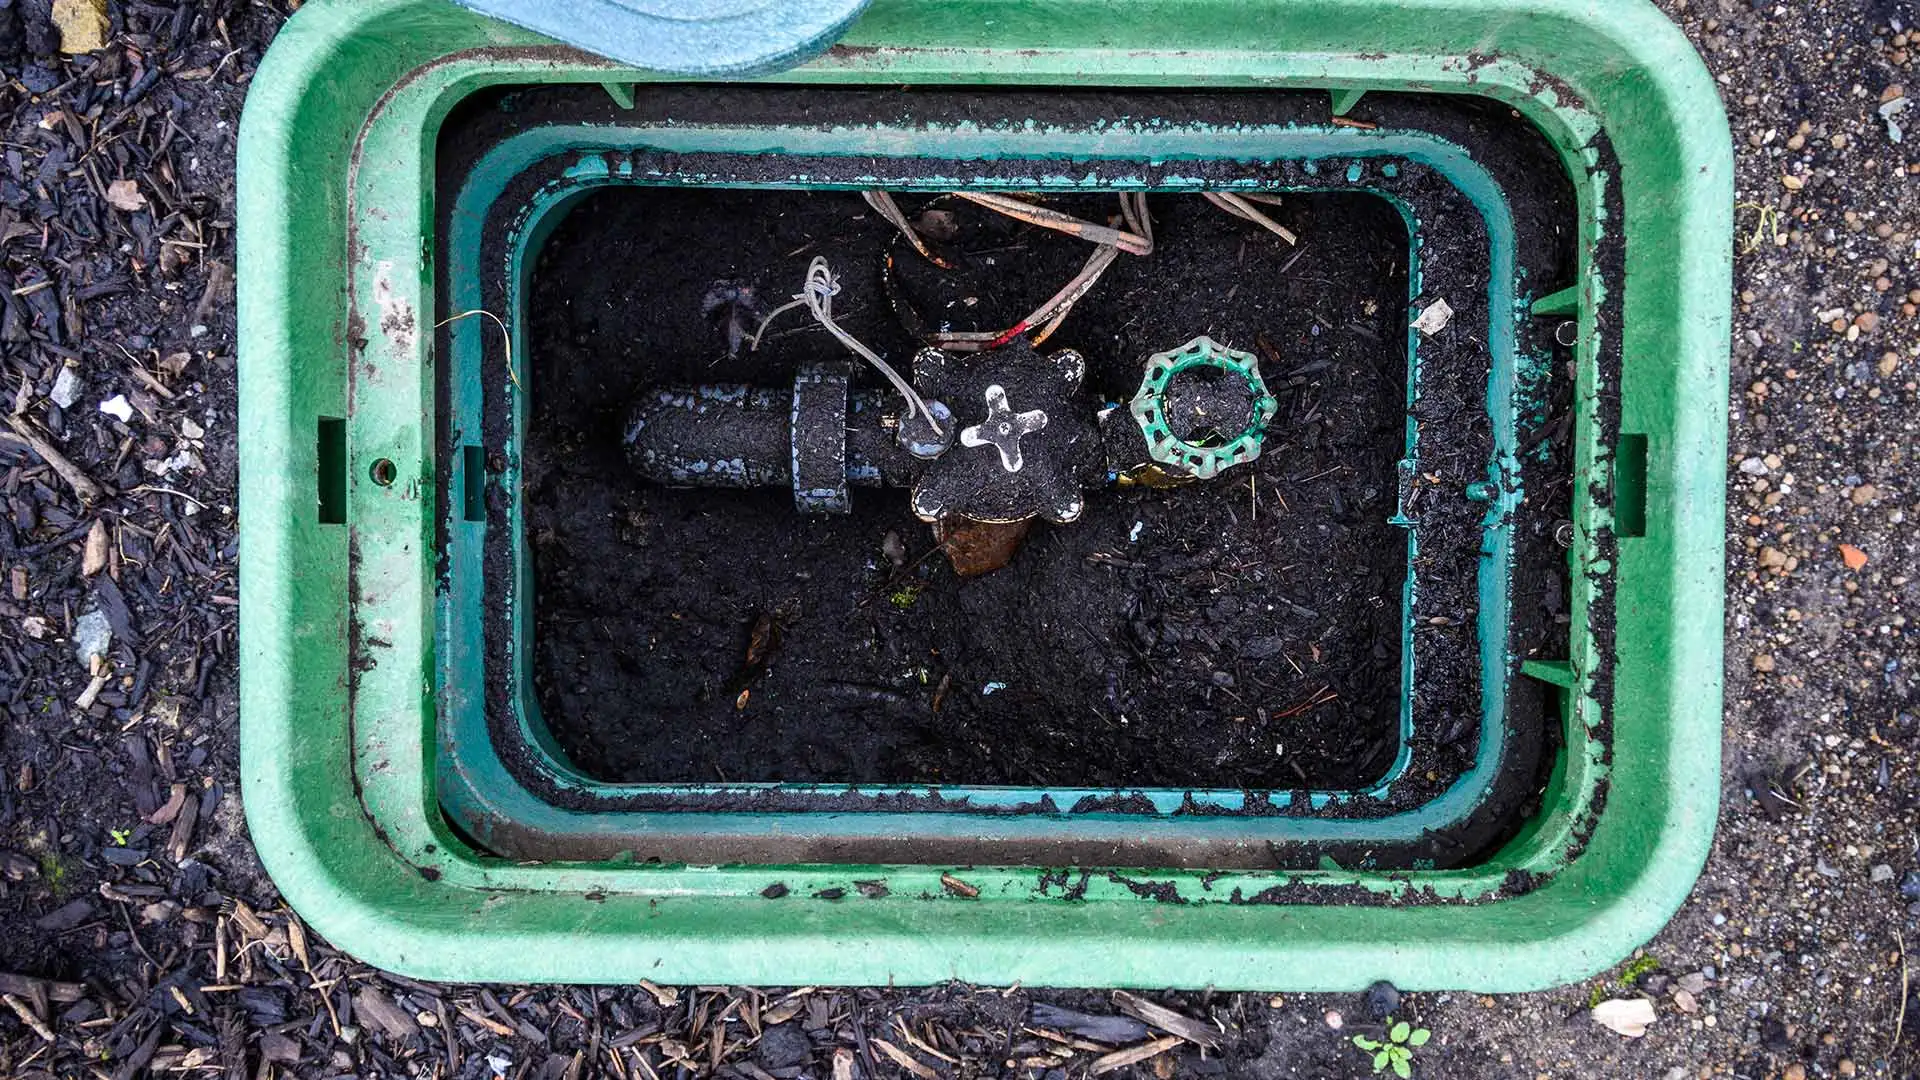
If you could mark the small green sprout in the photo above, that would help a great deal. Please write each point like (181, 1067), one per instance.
(904, 598)
(120, 836)
(1397, 1052)
(1634, 969)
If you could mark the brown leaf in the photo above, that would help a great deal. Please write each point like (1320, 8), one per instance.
(903, 1059)
(94, 559)
(297, 940)
(176, 799)
(125, 195)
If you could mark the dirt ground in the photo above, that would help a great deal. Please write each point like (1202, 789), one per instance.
(138, 935)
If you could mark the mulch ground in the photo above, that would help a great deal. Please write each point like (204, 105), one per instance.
(139, 937)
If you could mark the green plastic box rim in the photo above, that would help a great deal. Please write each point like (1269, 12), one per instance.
(338, 712)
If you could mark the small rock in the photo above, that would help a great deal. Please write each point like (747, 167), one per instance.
(1693, 982)
(1881, 873)
(1772, 558)
(1847, 1067)
(1910, 885)
(83, 25)
(783, 1046)
(1853, 557)
(92, 636)
(1335, 1020)
(66, 387)
(93, 557)
(118, 408)
(1864, 494)
(1795, 1071)
(1753, 466)
(1435, 318)
(1685, 1002)
(1763, 662)
(1383, 1000)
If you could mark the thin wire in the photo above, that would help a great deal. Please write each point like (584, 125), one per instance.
(816, 295)
(506, 337)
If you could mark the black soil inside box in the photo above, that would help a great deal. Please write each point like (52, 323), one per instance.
(1243, 632)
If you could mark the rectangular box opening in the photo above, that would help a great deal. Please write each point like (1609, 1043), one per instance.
(1630, 487)
(331, 454)
(1243, 632)
(473, 483)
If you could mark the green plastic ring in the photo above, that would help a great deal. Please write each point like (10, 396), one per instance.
(1149, 408)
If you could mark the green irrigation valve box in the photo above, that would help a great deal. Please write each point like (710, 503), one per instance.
(1558, 182)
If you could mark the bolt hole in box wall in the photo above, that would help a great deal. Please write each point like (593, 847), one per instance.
(1329, 628)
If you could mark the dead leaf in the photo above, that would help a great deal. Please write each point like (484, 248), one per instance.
(1625, 1016)
(1853, 556)
(125, 195)
(176, 798)
(297, 939)
(94, 559)
(903, 1059)
(83, 25)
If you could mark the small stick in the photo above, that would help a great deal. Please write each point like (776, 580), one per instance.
(1900, 1019)
(79, 481)
(1059, 222)
(25, 1012)
(884, 205)
(1241, 208)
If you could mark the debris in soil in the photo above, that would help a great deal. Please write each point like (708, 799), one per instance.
(977, 547)
(1434, 318)
(1113, 1030)
(92, 636)
(83, 25)
(1166, 1019)
(1383, 1000)
(1625, 1016)
(125, 195)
